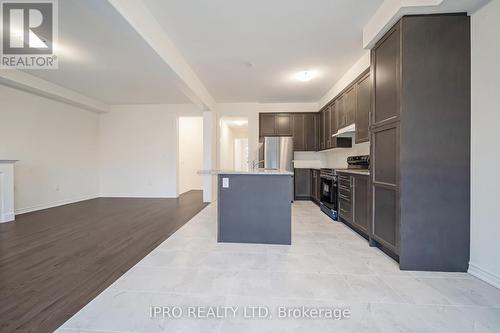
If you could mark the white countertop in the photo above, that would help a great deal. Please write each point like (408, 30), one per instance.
(261, 172)
(355, 171)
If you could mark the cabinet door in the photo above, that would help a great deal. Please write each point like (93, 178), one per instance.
(345, 198)
(350, 106)
(267, 124)
(318, 187)
(314, 190)
(333, 124)
(363, 104)
(311, 131)
(341, 121)
(322, 130)
(298, 132)
(283, 124)
(316, 122)
(333, 121)
(302, 181)
(385, 185)
(360, 201)
(327, 134)
(385, 57)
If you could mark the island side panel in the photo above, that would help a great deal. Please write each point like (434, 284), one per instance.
(255, 209)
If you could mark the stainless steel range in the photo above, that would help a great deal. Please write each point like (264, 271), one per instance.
(328, 192)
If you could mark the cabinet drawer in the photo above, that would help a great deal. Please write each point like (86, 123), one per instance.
(345, 210)
(345, 197)
(344, 188)
(345, 181)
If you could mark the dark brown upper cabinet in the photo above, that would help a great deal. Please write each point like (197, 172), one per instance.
(333, 118)
(420, 142)
(311, 126)
(299, 132)
(283, 124)
(328, 133)
(340, 108)
(303, 127)
(267, 124)
(322, 135)
(350, 106)
(386, 77)
(275, 124)
(363, 105)
(345, 108)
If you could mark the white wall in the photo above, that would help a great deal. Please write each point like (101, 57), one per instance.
(209, 155)
(485, 183)
(226, 145)
(337, 158)
(138, 149)
(190, 153)
(57, 145)
(357, 68)
(241, 154)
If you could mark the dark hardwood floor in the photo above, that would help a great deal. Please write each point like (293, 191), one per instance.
(54, 261)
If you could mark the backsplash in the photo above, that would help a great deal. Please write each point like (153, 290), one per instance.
(334, 158)
(337, 158)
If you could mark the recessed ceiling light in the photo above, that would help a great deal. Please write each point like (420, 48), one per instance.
(305, 76)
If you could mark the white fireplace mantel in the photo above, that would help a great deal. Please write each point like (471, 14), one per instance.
(7, 190)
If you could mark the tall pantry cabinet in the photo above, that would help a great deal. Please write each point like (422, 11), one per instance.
(420, 142)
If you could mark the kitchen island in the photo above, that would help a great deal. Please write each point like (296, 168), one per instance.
(254, 206)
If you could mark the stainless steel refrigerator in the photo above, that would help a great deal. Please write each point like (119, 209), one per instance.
(278, 153)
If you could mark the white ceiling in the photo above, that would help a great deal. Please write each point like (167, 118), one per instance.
(279, 37)
(242, 51)
(104, 58)
(236, 124)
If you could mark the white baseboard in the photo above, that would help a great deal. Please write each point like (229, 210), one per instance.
(138, 195)
(484, 275)
(54, 204)
(7, 217)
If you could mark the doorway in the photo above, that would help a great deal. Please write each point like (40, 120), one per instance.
(190, 152)
(233, 143)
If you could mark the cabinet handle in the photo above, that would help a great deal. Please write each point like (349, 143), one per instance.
(344, 198)
(354, 200)
(345, 188)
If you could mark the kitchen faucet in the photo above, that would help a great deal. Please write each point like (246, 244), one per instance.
(256, 163)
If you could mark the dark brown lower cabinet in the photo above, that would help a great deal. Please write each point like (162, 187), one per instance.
(345, 197)
(302, 184)
(361, 201)
(315, 186)
(354, 203)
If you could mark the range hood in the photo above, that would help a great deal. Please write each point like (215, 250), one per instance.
(345, 131)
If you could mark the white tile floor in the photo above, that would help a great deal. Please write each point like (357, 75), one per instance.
(328, 266)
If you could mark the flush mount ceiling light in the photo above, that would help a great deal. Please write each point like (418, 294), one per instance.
(305, 76)
(240, 122)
